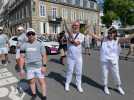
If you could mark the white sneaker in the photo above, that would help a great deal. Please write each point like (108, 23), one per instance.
(121, 91)
(67, 87)
(106, 90)
(80, 89)
(5, 64)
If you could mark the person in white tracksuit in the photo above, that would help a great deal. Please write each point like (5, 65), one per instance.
(109, 56)
(74, 56)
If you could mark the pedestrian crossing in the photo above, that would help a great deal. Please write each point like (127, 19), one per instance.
(6, 77)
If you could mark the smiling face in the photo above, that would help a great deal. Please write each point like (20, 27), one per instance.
(31, 36)
(76, 27)
(112, 33)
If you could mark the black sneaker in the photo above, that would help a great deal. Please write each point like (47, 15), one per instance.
(44, 98)
(20, 90)
(33, 97)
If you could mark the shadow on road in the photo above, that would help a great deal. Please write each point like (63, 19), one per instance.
(129, 59)
(58, 77)
(91, 82)
(23, 86)
(55, 61)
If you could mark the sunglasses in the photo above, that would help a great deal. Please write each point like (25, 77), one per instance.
(18, 30)
(30, 33)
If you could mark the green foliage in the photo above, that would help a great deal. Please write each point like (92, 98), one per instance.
(109, 16)
(119, 9)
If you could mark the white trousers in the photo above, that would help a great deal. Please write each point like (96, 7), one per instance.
(77, 65)
(112, 66)
(17, 53)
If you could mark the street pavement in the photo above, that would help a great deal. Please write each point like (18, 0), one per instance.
(56, 79)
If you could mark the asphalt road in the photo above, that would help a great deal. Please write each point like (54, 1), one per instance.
(56, 79)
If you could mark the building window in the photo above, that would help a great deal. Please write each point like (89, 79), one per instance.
(91, 4)
(54, 12)
(64, 1)
(74, 2)
(33, 8)
(53, 0)
(42, 8)
(22, 12)
(64, 13)
(73, 15)
(69, 1)
(27, 11)
(82, 15)
(81, 3)
(42, 27)
(54, 28)
(85, 3)
(77, 2)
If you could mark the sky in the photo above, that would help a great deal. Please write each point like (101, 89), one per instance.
(100, 2)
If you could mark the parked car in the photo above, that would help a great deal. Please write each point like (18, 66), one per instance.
(51, 46)
(12, 44)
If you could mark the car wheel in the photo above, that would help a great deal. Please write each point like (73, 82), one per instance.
(12, 50)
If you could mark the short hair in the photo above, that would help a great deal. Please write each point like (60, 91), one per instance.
(112, 30)
(76, 22)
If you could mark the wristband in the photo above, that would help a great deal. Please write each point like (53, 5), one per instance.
(44, 65)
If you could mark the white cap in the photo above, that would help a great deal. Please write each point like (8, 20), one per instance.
(30, 30)
(20, 28)
(1, 28)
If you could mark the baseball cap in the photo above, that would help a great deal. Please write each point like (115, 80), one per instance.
(1, 28)
(30, 30)
(20, 28)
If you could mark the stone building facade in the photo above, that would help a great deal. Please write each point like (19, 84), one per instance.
(45, 16)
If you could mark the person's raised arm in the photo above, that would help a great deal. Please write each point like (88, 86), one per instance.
(88, 30)
(66, 27)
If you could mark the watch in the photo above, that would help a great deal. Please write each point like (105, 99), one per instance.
(44, 65)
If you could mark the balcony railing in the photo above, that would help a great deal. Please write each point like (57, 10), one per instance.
(54, 19)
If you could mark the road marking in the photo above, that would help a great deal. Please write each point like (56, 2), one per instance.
(14, 94)
(4, 92)
(4, 75)
(3, 70)
(8, 81)
(7, 78)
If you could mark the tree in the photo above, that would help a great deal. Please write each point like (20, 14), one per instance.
(118, 9)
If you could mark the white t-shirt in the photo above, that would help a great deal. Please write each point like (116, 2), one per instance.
(3, 40)
(75, 51)
(110, 50)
